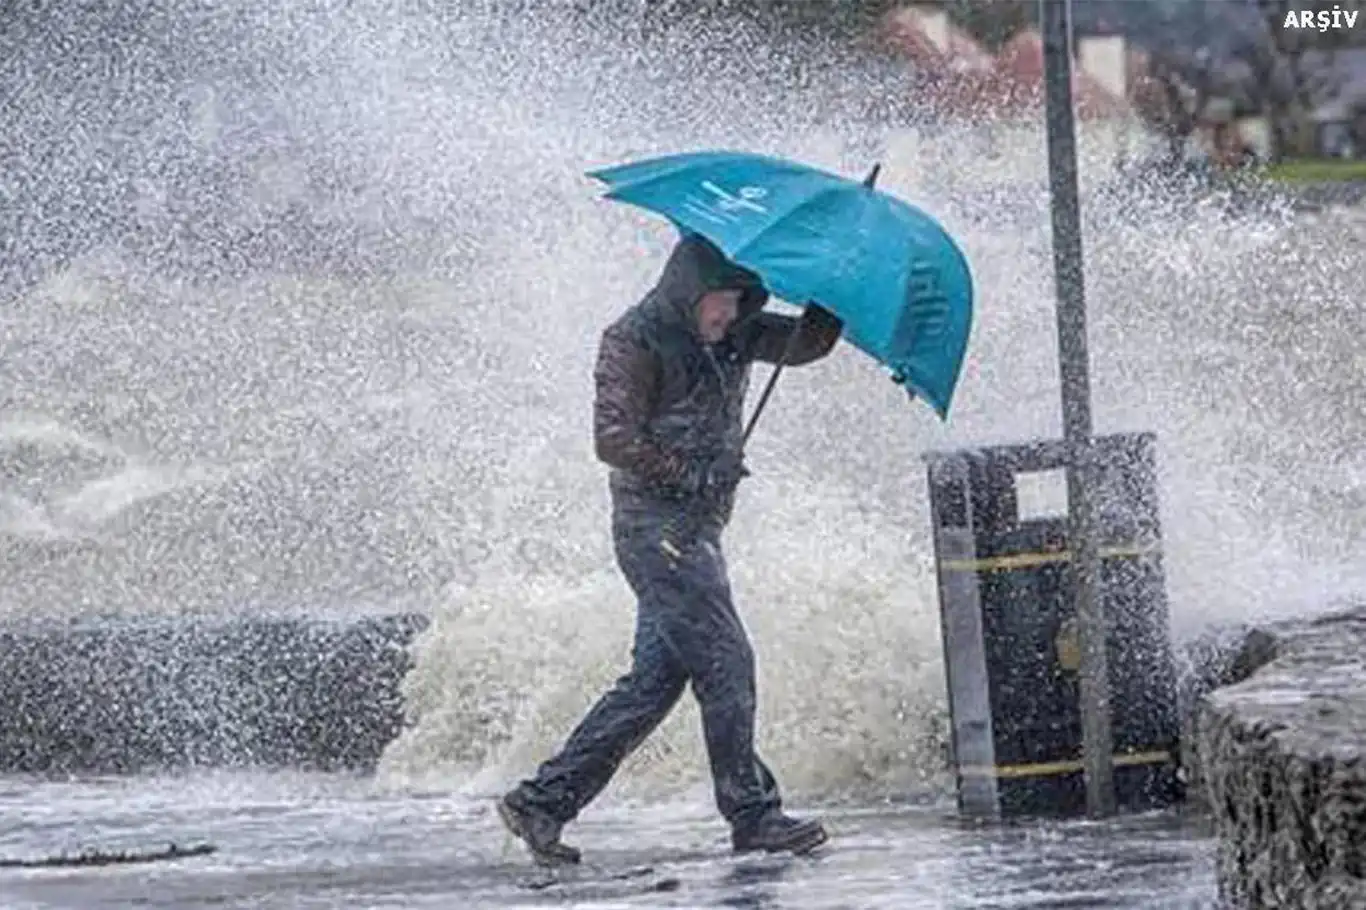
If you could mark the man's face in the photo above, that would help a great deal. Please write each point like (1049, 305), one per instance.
(716, 313)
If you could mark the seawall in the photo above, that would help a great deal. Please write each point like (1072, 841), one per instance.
(1280, 764)
(137, 695)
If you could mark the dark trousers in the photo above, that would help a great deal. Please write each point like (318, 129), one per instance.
(687, 630)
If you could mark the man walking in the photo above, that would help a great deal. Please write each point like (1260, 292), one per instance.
(670, 379)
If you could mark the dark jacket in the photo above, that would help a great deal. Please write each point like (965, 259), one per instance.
(666, 399)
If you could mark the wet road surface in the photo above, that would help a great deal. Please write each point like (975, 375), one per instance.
(318, 841)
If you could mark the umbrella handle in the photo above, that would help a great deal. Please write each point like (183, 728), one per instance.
(773, 377)
(763, 399)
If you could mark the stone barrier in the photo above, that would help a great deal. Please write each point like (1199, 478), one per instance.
(1281, 760)
(135, 695)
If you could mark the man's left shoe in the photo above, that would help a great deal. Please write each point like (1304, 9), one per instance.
(537, 830)
(779, 833)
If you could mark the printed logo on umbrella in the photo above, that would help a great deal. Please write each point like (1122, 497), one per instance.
(724, 207)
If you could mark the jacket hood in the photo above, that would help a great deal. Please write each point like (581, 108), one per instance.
(697, 266)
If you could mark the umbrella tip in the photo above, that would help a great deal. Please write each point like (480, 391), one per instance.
(872, 176)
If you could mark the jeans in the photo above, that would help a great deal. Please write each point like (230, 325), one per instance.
(687, 630)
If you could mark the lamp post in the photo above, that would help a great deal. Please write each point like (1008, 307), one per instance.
(1076, 403)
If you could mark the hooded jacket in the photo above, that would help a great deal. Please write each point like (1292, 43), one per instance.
(664, 398)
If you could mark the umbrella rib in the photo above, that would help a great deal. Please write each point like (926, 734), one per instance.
(778, 221)
(679, 167)
(680, 164)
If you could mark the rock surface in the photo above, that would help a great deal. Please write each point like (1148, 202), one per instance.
(130, 696)
(1220, 657)
(1283, 761)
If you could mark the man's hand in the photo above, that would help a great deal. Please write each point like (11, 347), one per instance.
(706, 477)
(726, 471)
(819, 320)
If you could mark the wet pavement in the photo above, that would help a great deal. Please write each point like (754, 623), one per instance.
(329, 841)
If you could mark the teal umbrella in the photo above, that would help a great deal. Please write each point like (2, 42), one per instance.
(892, 273)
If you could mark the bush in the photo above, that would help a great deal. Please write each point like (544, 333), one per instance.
(1316, 170)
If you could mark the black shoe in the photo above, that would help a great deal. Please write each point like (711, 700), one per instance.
(778, 833)
(537, 829)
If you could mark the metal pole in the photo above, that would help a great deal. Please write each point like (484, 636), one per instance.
(1076, 404)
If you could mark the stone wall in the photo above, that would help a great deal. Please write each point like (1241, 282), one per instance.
(126, 696)
(1281, 757)
(1221, 656)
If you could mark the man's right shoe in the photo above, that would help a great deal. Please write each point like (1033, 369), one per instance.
(778, 833)
(537, 829)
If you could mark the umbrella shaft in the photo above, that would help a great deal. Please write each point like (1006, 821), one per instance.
(763, 399)
(788, 348)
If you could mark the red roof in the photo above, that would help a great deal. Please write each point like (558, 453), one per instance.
(1020, 61)
(964, 79)
(952, 79)
(906, 27)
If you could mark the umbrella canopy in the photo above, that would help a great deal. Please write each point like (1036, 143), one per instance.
(887, 269)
